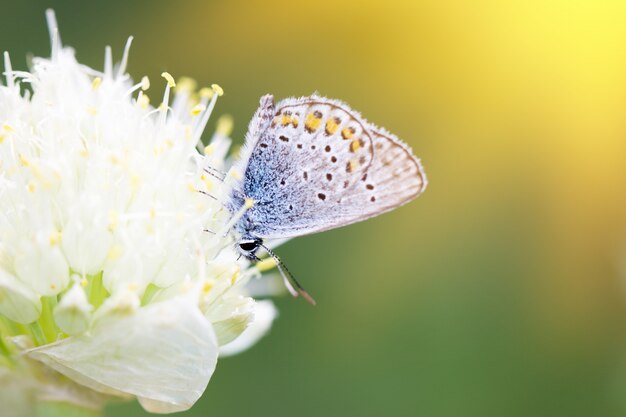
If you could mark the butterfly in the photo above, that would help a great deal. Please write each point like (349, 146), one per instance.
(312, 164)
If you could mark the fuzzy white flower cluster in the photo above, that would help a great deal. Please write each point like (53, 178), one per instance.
(107, 276)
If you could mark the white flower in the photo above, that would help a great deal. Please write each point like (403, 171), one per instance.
(106, 273)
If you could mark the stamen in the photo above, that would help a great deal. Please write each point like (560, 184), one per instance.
(108, 62)
(124, 63)
(266, 264)
(186, 84)
(143, 100)
(8, 71)
(249, 202)
(145, 82)
(166, 96)
(96, 83)
(225, 125)
(197, 109)
(217, 90)
(53, 30)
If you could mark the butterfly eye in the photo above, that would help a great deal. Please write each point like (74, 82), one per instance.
(249, 246)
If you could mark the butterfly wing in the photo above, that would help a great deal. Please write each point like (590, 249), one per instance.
(318, 165)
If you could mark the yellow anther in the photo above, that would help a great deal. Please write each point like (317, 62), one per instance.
(1, 138)
(84, 153)
(31, 187)
(145, 82)
(209, 149)
(170, 80)
(355, 145)
(206, 93)
(312, 122)
(152, 212)
(266, 264)
(197, 109)
(206, 287)
(217, 89)
(84, 282)
(114, 220)
(96, 83)
(25, 162)
(235, 276)
(55, 238)
(225, 125)
(135, 181)
(249, 202)
(191, 187)
(115, 253)
(186, 84)
(53, 286)
(235, 174)
(143, 100)
(92, 110)
(7, 127)
(36, 171)
(207, 182)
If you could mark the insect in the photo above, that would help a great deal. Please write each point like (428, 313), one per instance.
(312, 164)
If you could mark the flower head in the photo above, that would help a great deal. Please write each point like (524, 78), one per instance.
(107, 275)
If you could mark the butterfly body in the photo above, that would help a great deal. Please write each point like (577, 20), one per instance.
(313, 164)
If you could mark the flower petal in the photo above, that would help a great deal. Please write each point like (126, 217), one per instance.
(72, 314)
(43, 268)
(17, 301)
(231, 318)
(164, 353)
(264, 315)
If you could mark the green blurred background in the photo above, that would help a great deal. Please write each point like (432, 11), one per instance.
(500, 291)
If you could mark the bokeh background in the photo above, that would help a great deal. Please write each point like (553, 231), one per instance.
(500, 291)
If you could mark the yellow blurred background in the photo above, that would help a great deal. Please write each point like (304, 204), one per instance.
(500, 291)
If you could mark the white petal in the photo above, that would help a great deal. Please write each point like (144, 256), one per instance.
(72, 314)
(43, 268)
(231, 317)
(264, 315)
(16, 394)
(86, 246)
(164, 353)
(17, 301)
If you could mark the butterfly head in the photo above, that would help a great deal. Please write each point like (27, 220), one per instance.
(248, 246)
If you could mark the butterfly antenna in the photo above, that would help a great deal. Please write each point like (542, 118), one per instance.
(293, 286)
(215, 173)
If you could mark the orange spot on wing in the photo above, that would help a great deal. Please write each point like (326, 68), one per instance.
(312, 122)
(332, 125)
(348, 133)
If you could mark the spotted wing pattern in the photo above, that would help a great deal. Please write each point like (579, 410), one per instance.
(318, 165)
